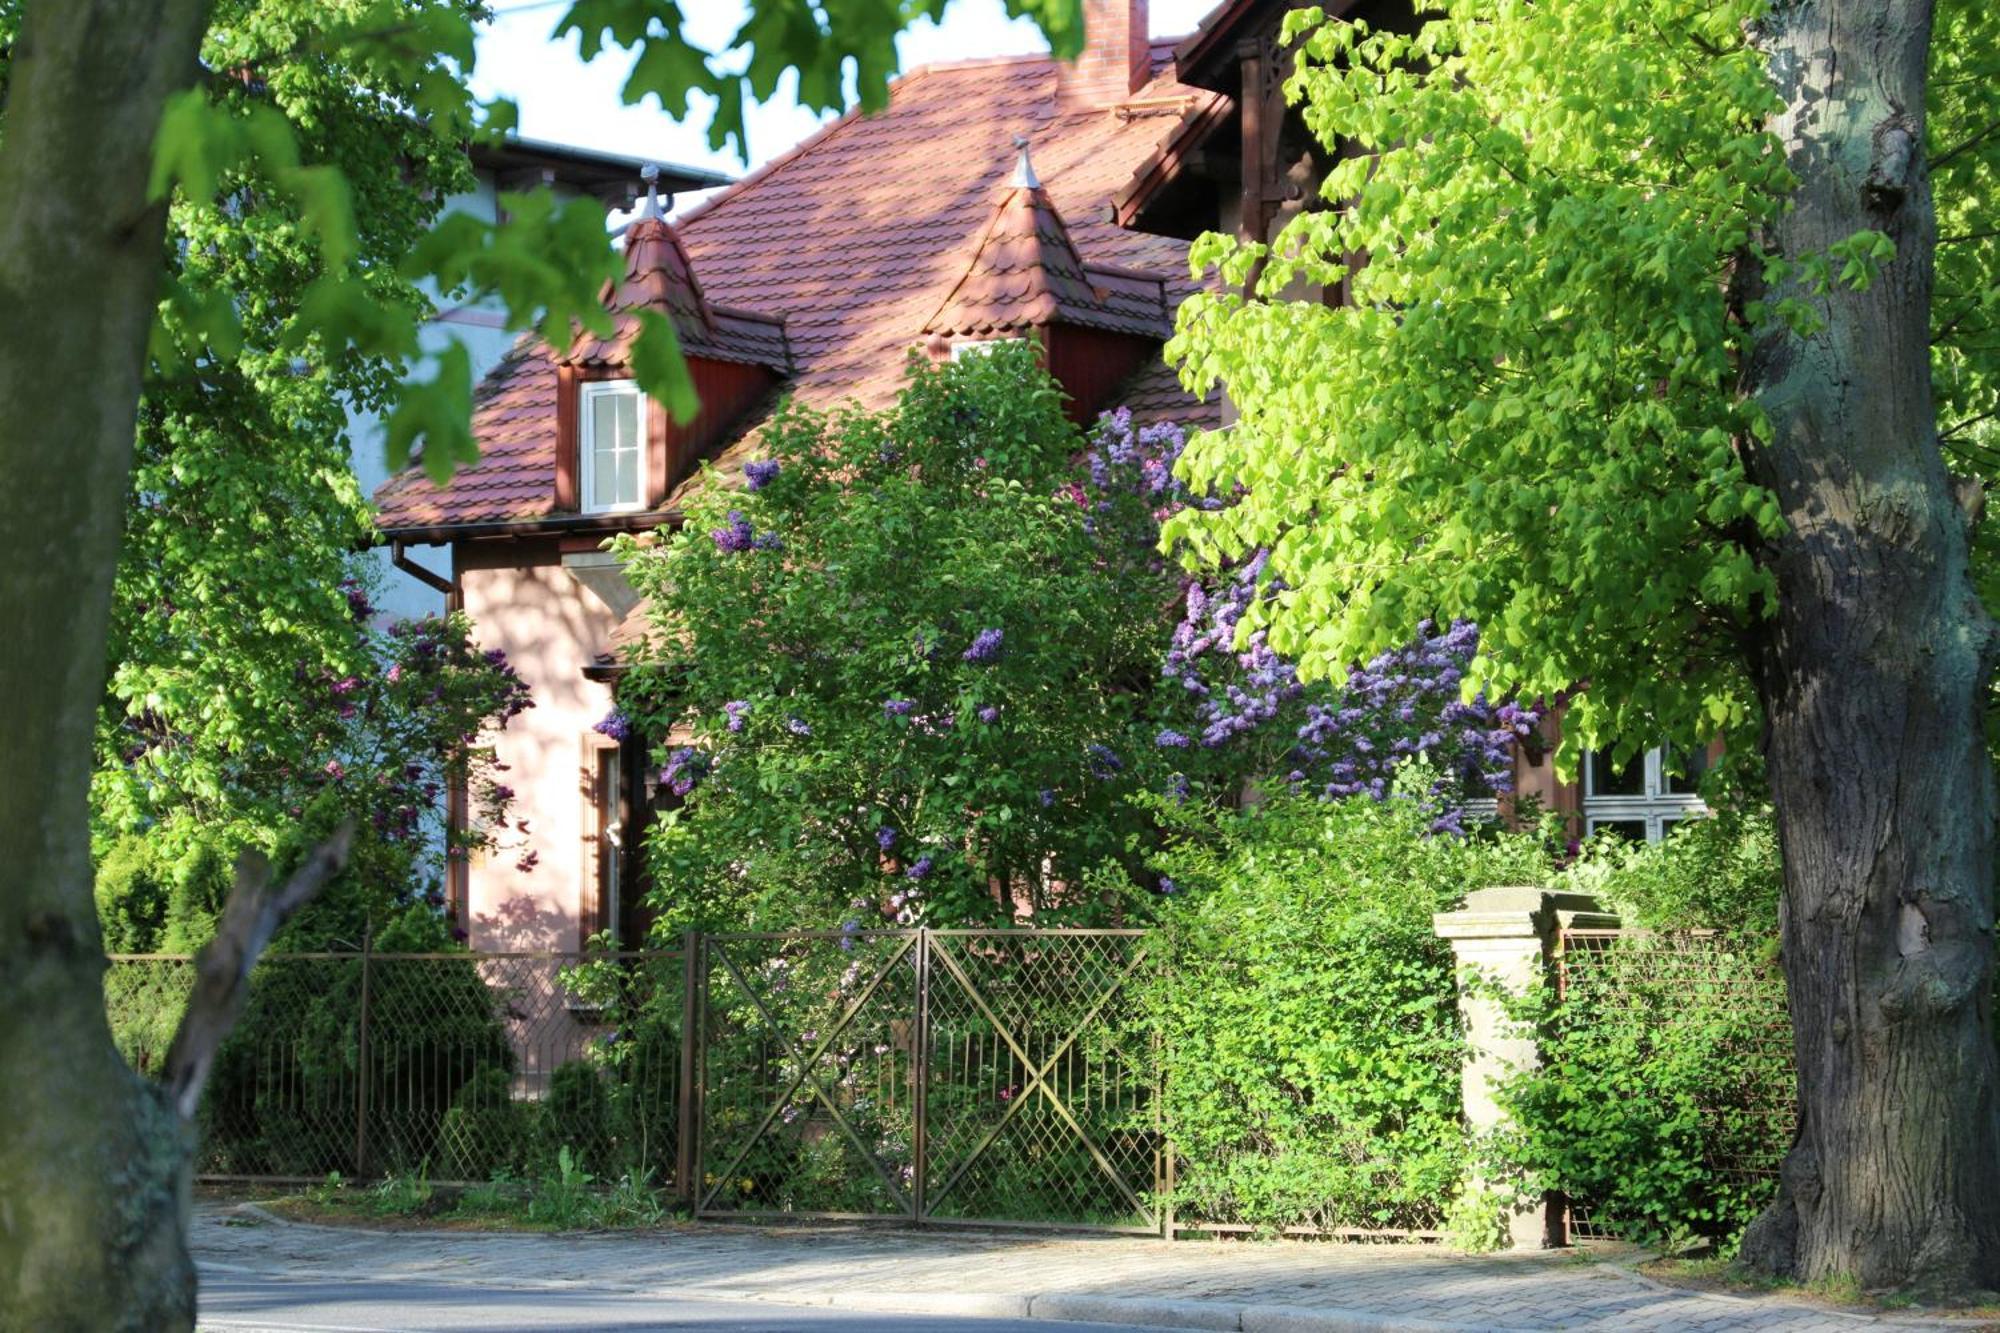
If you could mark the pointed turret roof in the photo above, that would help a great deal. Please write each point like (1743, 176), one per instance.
(660, 276)
(1026, 273)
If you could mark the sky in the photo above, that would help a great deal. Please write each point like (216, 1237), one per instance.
(565, 100)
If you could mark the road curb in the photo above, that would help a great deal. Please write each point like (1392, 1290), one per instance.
(964, 1304)
(1145, 1311)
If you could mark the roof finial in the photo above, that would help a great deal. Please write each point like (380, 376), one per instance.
(650, 173)
(1024, 170)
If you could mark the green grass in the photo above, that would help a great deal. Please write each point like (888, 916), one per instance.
(563, 1198)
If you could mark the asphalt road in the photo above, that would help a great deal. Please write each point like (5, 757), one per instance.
(236, 1303)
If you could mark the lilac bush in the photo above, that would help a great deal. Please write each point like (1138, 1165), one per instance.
(973, 661)
(1248, 708)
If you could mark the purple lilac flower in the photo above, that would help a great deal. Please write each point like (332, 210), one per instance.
(759, 473)
(885, 837)
(897, 707)
(1048, 798)
(1104, 761)
(768, 541)
(1167, 886)
(358, 604)
(686, 766)
(985, 646)
(989, 714)
(920, 868)
(735, 535)
(798, 726)
(735, 710)
(1170, 739)
(615, 725)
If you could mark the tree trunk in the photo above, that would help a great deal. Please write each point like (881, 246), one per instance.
(93, 1163)
(1873, 677)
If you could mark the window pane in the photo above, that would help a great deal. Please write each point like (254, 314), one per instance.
(1606, 779)
(628, 476)
(614, 448)
(1632, 830)
(1692, 763)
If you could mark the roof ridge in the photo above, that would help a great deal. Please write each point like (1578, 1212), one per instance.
(993, 217)
(747, 312)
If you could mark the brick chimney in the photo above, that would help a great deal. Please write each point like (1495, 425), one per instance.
(1117, 57)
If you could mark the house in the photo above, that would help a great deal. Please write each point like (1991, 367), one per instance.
(1248, 167)
(410, 582)
(979, 205)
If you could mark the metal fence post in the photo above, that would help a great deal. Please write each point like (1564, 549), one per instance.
(687, 1113)
(361, 1090)
(920, 1061)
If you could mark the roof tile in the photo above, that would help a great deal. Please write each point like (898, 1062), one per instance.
(860, 238)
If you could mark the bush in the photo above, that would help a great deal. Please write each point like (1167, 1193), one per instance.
(1309, 1012)
(1665, 1101)
(282, 1094)
(1719, 874)
(579, 1113)
(486, 1133)
(158, 895)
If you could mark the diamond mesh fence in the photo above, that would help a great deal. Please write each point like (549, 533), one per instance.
(465, 1066)
(1722, 1010)
(939, 1076)
(808, 1089)
(1040, 1081)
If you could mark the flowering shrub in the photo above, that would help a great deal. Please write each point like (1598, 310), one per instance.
(1244, 709)
(913, 672)
(382, 736)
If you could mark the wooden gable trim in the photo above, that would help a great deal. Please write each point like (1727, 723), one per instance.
(569, 465)
(660, 462)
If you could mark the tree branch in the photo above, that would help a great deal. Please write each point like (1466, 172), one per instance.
(222, 971)
(1966, 144)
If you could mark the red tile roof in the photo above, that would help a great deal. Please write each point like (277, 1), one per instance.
(857, 238)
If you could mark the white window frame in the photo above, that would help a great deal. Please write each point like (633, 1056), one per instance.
(586, 446)
(982, 346)
(1655, 806)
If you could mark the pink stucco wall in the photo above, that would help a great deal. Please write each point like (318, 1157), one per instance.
(551, 627)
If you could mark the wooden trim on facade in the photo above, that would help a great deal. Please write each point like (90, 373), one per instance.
(569, 463)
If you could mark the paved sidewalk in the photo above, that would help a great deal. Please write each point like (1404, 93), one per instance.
(1249, 1287)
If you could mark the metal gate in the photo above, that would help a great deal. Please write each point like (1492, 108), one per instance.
(938, 1076)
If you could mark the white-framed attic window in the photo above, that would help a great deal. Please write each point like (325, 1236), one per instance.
(1645, 798)
(611, 446)
(980, 346)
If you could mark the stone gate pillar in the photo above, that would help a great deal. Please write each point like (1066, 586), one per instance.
(1506, 938)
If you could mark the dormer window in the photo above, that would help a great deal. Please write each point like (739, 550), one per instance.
(612, 446)
(979, 347)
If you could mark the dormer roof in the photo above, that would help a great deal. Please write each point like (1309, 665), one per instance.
(1025, 273)
(659, 276)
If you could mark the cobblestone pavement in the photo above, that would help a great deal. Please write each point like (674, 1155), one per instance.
(1278, 1287)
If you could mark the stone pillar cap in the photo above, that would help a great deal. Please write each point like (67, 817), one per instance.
(1510, 910)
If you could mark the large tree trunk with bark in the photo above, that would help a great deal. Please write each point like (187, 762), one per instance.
(1874, 680)
(93, 1192)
